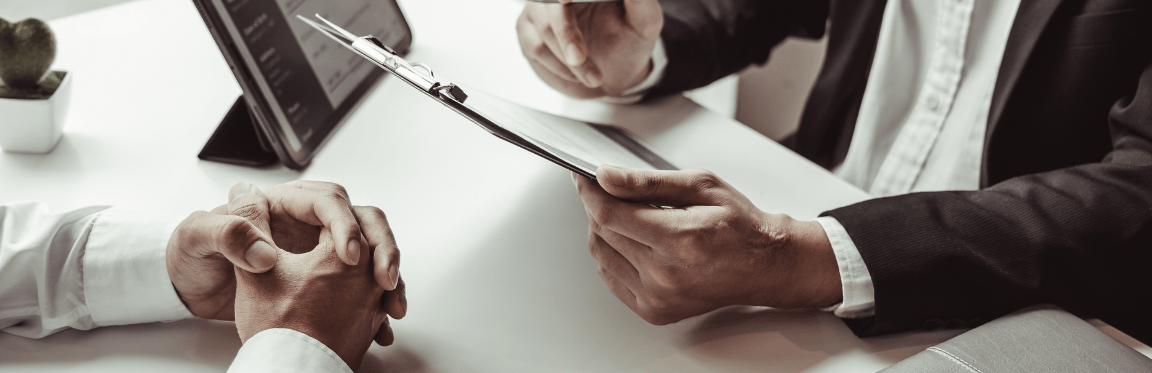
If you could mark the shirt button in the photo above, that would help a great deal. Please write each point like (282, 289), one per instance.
(933, 103)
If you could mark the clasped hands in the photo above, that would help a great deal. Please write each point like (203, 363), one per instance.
(296, 256)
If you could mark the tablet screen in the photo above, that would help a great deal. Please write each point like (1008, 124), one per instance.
(307, 89)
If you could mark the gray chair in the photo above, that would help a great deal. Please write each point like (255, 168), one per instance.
(1036, 339)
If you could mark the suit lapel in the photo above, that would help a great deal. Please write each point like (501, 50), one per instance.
(1031, 19)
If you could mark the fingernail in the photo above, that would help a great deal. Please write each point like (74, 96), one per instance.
(261, 256)
(616, 175)
(394, 273)
(574, 179)
(575, 58)
(354, 251)
(239, 191)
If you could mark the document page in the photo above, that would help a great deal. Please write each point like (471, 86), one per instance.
(591, 143)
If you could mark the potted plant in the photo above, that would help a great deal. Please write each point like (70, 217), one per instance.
(33, 101)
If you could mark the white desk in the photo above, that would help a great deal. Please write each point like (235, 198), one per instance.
(493, 238)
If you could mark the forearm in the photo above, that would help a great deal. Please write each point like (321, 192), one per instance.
(80, 270)
(1078, 237)
(975, 256)
(41, 289)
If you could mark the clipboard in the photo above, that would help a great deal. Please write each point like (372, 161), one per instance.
(452, 96)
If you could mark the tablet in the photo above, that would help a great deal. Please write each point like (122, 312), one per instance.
(297, 93)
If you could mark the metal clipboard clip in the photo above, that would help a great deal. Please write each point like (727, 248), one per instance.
(418, 75)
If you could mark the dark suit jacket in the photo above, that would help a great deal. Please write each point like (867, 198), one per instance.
(1064, 214)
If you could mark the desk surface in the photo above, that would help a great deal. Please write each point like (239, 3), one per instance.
(493, 238)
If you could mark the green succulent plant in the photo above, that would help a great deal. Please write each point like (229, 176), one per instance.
(27, 50)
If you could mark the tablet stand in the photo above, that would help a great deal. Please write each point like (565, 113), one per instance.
(237, 140)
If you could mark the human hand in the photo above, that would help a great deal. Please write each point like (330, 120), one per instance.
(203, 250)
(589, 50)
(314, 293)
(712, 248)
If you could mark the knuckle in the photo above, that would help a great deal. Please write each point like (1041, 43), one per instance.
(543, 28)
(540, 50)
(599, 250)
(337, 191)
(603, 272)
(595, 226)
(198, 215)
(648, 316)
(193, 225)
(705, 180)
(657, 311)
(298, 184)
(647, 182)
(663, 319)
(233, 231)
(372, 212)
(663, 283)
(603, 216)
(596, 248)
(249, 211)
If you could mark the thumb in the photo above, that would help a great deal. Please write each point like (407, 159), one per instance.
(644, 16)
(660, 187)
(241, 242)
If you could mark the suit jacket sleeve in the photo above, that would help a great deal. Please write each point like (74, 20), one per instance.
(709, 39)
(1078, 237)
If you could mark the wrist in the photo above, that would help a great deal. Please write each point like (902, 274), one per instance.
(281, 315)
(802, 271)
(818, 276)
(173, 260)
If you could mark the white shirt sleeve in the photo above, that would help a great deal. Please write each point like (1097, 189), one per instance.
(859, 296)
(659, 65)
(286, 350)
(82, 269)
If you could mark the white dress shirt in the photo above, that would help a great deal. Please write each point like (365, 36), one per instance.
(101, 267)
(923, 117)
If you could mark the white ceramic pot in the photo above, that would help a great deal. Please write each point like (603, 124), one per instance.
(35, 126)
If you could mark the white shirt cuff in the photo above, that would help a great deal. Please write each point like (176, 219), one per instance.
(659, 65)
(125, 274)
(286, 350)
(859, 295)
